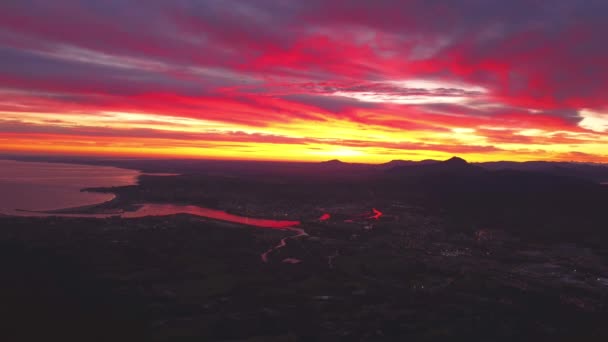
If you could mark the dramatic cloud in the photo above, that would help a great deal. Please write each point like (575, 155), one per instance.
(311, 80)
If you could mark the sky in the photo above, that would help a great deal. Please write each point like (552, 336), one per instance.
(360, 81)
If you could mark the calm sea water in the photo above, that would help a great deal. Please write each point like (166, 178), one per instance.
(48, 186)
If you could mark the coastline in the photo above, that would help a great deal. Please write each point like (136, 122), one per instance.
(84, 209)
(122, 203)
(112, 205)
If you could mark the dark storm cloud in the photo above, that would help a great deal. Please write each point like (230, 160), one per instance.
(334, 104)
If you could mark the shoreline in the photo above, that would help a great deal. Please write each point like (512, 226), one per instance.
(84, 209)
(115, 204)
(115, 200)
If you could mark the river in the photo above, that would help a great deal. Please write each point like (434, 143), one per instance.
(36, 189)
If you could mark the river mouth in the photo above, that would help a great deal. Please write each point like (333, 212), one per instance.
(163, 209)
(40, 189)
(150, 209)
(154, 209)
(158, 210)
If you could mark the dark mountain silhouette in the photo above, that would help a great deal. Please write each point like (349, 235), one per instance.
(594, 172)
(451, 167)
(339, 170)
(538, 205)
(465, 176)
(399, 162)
(455, 161)
(333, 162)
(336, 164)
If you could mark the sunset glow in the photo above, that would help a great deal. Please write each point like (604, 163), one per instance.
(305, 80)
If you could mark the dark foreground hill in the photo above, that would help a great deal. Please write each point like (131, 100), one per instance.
(434, 251)
(532, 204)
(594, 172)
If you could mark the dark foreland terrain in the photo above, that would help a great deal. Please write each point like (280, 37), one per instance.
(420, 251)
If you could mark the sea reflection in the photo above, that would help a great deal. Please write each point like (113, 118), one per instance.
(48, 186)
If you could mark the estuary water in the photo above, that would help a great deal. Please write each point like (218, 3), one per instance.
(30, 188)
